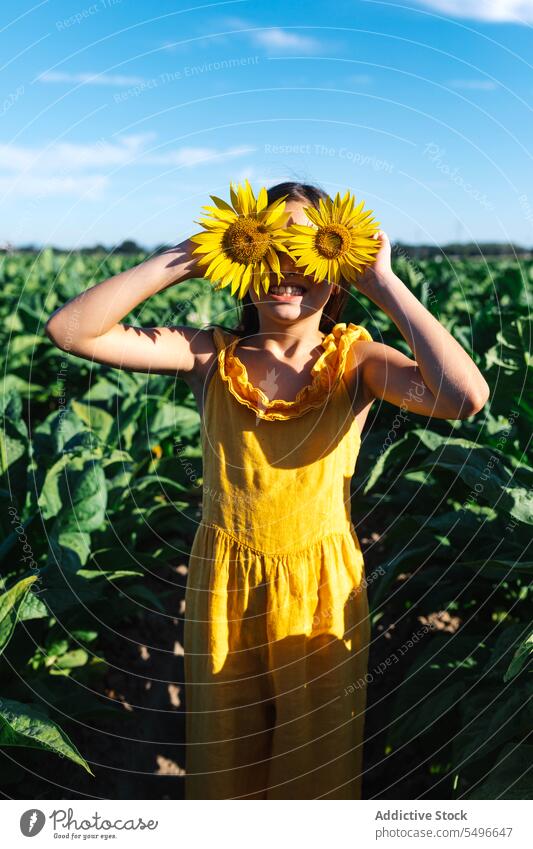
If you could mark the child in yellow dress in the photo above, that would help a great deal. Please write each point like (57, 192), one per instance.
(277, 627)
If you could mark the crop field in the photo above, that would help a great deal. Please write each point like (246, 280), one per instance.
(100, 496)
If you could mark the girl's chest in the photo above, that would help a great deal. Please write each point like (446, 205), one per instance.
(276, 379)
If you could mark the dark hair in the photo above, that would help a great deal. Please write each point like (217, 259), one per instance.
(331, 314)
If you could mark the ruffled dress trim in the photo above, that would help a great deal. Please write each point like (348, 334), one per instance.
(326, 374)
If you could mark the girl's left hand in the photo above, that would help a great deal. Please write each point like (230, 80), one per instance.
(379, 270)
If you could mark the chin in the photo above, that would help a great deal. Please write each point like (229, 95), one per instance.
(285, 311)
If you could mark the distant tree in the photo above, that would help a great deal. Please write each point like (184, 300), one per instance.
(461, 250)
(95, 249)
(128, 247)
(453, 250)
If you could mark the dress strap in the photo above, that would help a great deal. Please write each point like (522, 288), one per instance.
(222, 337)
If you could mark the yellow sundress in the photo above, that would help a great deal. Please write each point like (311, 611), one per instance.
(276, 620)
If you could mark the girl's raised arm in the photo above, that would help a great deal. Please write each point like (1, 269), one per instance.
(442, 381)
(90, 325)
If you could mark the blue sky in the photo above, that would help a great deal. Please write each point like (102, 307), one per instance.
(119, 118)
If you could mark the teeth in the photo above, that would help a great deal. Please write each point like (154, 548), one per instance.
(288, 290)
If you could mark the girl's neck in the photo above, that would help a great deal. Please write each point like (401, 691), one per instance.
(303, 335)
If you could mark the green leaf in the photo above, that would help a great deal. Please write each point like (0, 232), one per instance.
(489, 719)
(72, 659)
(111, 575)
(12, 538)
(522, 655)
(504, 641)
(32, 607)
(170, 419)
(488, 474)
(69, 550)
(84, 635)
(26, 343)
(28, 726)
(98, 420)
(415, 444)
(123, 429)
(508, 365)
(510, 778)
(52, 436)
(11, 450)
(423, 717)
(497, 569)
(101, 390)
(75, 487)
(145, 594)
(10, 603)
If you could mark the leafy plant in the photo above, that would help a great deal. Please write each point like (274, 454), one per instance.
(93, 459)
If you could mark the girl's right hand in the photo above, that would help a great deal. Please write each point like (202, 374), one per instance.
(377, 272)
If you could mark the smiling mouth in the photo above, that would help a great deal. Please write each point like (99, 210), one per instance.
(290, 286)
(287, 290)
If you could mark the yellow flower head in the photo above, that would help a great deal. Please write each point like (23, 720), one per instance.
(341, 243)
(240, 243)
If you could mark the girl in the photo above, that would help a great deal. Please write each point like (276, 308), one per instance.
(277, 627)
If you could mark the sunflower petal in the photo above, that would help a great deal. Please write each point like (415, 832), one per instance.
(273, 218)
(245, 281)
(314, 216)
(203, 237)
(256, 279)
(220, 215)
(218, 266)
(302, 229)
(237, 277)
(262, 199)
(221, 204)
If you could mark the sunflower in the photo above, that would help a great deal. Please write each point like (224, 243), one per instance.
(341, 243)
(240, 243)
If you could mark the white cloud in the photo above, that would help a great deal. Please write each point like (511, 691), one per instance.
(281, 39)
(70, 156)
(189, 156)
(36, 186)
(517, 11)
(236, 22)
(59, 169)
(273, 38)
(247, 173)
(359, 79)
(89, 78)
(480, 85)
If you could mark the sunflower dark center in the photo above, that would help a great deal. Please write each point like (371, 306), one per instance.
(332, 240)
(246, 241)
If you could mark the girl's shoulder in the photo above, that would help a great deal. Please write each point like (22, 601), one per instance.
(348, 333)
(221, 336)
(340, 343)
